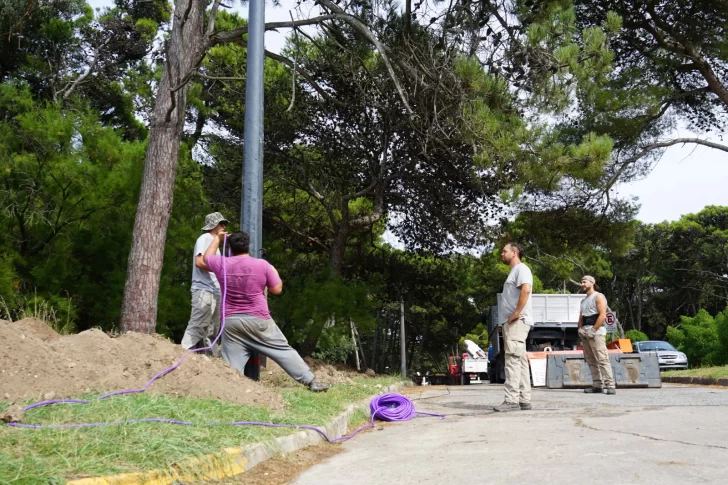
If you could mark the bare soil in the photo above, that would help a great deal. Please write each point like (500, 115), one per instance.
(273, 376)
(36, 363)
(282, 470)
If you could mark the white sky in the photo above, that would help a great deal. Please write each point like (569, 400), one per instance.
(685, 180)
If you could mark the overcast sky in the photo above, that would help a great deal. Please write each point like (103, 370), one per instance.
(685, 180)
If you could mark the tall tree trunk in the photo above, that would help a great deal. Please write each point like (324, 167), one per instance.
(338, 248)
(375, 341)
(313, 335)
(403, 340)
(412, 346)
(383, 346)
(186, 44)
(640, 297)
(408, 15)
(337, 258)
(393, 353)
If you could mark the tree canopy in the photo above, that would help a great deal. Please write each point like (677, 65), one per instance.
(443, 130)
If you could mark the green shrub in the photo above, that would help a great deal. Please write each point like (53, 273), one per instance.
(703, 338)
(636, 335)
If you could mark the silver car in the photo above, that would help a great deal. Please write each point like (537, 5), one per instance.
(668, 357)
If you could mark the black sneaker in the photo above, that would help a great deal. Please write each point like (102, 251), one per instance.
(316, 386)
(593, 390)
(610, 390)
(525, 406)
(507, 407)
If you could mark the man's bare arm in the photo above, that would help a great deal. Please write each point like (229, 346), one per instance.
(602, 308)
(522, 300)
(277, 289)
(212, 248)
(200, 263)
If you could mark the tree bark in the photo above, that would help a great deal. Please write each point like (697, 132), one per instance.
(375, 342)
(313, 335)
(186, 48)
(338, 248)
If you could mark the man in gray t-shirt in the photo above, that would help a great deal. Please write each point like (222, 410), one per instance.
(512, 290)
(517, 319)
(205, 317)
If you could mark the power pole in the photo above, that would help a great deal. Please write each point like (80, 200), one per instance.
(356, 348)
(403, 340)
(251, 214)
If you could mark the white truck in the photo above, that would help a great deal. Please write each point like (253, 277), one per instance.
(474, 364)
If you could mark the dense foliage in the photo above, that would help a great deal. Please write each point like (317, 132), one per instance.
(450, 135)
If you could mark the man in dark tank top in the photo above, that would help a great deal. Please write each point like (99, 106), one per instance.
(593, 337)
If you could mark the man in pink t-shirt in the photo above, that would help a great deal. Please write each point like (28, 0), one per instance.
(248, 326)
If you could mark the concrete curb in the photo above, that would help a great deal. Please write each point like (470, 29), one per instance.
(234, 461)
(699, 381)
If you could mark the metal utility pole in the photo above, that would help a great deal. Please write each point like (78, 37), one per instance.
(251, 215)
(356, 348)
(403, 340)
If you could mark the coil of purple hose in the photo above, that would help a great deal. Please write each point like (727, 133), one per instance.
(392, 407)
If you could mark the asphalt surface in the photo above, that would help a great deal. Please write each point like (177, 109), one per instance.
(673, 435)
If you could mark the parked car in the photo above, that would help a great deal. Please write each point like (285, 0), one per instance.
(668, 357)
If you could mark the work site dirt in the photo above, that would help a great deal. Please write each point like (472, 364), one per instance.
(36, 363)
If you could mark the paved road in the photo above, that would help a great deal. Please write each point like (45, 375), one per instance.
(674, 435)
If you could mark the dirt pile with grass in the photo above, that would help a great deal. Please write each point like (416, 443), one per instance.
(36, 363)
(273, 376)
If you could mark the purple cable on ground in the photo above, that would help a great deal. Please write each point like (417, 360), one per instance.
(387, 407)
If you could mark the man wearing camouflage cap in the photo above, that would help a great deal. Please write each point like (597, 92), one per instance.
(205, 318)
(593, 337)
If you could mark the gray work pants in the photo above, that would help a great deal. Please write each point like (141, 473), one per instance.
(245, 333)
(204, 321)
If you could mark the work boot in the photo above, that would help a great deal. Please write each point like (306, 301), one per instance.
(525, 406)
(506, 407)
(593, 390)
(317, 386)
(610, 390)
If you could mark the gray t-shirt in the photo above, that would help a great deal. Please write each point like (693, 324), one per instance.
(519, 275)
(202, 280)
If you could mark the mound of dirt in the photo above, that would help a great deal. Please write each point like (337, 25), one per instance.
(37, 363)
(274, 376)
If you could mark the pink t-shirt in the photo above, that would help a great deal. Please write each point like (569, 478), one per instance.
(243, 283)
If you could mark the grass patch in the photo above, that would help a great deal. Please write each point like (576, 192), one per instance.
(52, 456)
(708, 372)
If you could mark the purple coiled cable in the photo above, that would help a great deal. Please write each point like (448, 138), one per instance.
(386, 407)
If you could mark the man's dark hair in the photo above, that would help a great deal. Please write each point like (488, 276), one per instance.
(239, 243)
(517, 248)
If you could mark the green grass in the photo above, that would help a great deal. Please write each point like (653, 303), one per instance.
(34, 456)
(709, 372)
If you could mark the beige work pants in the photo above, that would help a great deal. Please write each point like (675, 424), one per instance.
(518, 377)
(596, 355)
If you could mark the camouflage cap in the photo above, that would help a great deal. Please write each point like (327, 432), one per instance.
(212, 220)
